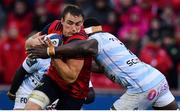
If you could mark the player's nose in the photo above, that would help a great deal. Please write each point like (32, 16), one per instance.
(74, 29)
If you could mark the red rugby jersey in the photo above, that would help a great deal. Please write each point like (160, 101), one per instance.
(79, 89)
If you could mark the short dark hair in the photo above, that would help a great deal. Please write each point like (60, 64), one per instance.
(72, 9)
(91, 22)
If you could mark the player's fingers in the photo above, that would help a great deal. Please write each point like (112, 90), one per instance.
(32, 56)
(41, 39)
(31, 51)
(36, 35)
(46, 43)
(28, 52)
(49, 42)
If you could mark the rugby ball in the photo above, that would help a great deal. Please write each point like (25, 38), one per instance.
(55, 38)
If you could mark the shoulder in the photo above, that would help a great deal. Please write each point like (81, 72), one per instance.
(55, 26)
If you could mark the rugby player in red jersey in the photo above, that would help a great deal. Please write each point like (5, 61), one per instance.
(67, 80)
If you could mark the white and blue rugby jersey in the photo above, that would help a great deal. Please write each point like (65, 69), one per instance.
(122, 66)
(37, 68)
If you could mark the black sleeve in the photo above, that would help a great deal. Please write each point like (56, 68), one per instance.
(45, 29)
(91, 96)
(17, 80)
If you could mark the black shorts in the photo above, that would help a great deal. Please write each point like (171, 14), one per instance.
(53, 91)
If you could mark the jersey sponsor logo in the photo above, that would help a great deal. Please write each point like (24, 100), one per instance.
(152, 94)
(163, 88)
(133, 61)
(30, 62)
(23, 100)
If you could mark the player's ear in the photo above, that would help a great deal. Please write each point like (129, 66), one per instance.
(62, 20)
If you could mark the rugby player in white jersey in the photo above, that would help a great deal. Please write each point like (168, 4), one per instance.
(146, 86)
(28, 77)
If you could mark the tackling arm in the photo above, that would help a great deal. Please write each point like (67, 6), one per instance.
(96, 68)
(70, 70)
(17, 81)
(77, 48)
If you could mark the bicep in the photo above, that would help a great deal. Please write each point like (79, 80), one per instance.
(75, 65)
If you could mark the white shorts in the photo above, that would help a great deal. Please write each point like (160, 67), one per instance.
(21, 98)
(158, 96)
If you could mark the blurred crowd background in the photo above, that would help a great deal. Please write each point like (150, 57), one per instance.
(149, 28)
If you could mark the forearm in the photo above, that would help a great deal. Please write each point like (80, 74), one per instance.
(70, 51)
(18, 79)
(79, 48)
(34, 40)
(64, 70)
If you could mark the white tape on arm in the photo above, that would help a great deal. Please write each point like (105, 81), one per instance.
(39, 98)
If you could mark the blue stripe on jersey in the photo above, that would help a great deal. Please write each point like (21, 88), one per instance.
(123, 65)
(120, 69)
(141, 75)
(148, 86)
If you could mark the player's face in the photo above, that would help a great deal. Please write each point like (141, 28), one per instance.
(71, 24)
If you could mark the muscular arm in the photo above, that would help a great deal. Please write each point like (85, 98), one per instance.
(96, 68)
(77, 48)
(73, 49)
(70, 70)
(17, 81)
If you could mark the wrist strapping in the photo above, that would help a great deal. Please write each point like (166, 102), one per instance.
(51, 51)
(12, 95)
(93, 29)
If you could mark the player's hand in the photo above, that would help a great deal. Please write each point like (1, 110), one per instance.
(39, 51)
(11, 96)
(36, 39)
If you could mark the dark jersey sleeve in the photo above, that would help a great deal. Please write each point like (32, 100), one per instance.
(18, 79)
(54, 27)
